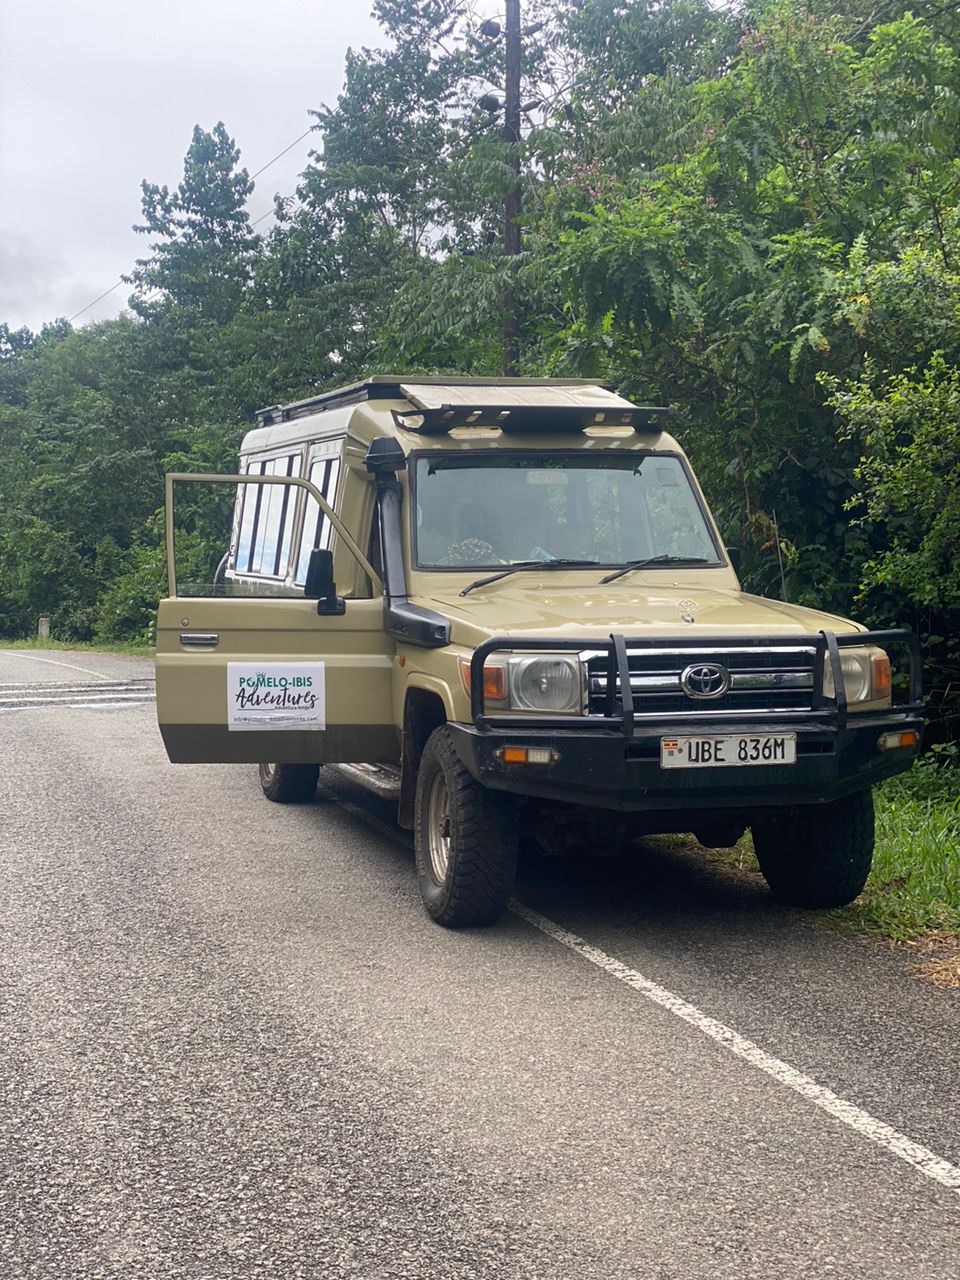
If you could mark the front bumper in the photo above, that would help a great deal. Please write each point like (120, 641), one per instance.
(613, 761)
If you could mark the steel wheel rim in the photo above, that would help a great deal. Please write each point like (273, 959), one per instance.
(267, 771)
(438, 829)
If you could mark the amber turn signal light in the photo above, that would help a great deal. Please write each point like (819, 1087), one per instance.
(494, 680)
(495, 684)
(527, 755)
(892, 741)
(881, 675)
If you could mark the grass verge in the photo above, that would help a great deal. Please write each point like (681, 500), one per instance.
(914, 888)
(80, 646)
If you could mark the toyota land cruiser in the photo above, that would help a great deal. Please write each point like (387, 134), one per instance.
(505, 603)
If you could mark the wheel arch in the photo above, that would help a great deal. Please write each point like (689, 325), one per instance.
(423, 711)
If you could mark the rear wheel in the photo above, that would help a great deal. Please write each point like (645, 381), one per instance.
(817, 855)
(289, 783)
(465, 839)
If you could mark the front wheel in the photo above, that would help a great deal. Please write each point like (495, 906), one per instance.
(817, 855)
(465, 839)
(289, 783)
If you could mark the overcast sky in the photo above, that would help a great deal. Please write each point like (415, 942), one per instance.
(96, 95)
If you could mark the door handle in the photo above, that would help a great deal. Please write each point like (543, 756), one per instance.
(197, 640)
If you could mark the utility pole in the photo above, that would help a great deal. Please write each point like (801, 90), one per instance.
(511, 228)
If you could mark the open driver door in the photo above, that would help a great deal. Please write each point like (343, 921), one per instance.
(291, 679)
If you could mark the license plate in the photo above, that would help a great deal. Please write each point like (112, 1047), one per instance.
(728, 749)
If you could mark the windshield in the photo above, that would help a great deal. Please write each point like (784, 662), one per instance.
(479, 512)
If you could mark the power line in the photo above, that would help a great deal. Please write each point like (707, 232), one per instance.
(106, 293)
(282, 153)
(103, 295)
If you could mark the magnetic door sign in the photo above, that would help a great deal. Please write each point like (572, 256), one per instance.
(275, 695)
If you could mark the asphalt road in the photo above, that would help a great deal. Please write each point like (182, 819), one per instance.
(233, 1045)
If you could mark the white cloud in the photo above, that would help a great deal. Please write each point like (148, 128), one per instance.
(37, 285)
(96, 97)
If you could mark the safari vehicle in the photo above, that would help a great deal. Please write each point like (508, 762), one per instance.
(535, 634)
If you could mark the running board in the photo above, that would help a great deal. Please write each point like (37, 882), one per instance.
(382, 780)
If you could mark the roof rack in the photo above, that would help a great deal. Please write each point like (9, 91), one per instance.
(547, 406)
(467, 396)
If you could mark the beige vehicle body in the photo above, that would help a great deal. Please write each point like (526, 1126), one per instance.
(370, 481)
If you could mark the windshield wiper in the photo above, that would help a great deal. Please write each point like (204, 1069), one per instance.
(642, 564)
(529, 564)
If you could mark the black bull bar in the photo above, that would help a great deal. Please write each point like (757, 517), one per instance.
(619, 714)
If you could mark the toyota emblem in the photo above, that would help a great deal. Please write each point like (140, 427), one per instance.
(705, 680)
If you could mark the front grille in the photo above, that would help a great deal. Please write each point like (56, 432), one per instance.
(769, 679)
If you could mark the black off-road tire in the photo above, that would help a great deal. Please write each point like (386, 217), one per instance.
(289, 783)
(817, 855)
(474, 831)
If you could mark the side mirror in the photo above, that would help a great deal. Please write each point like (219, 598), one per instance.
(733, 555)
(320, 585)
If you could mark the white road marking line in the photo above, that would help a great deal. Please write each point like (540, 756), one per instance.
(69, 706)
(29, 657)
(94, 693)
(107, 704)
(868, 1126)
(57, 690)
(898, 1144)
(26, 687)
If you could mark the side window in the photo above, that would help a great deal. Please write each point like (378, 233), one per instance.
(266, 525)
(324, 473)
(250, 496)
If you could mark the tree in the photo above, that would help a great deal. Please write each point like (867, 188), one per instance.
(713, 277)
(201, 262)
(907, 427)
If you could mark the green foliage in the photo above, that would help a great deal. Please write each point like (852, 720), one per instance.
(907, 426)
(127, 647)
(201, 262)
(915, 883)
(909, 473)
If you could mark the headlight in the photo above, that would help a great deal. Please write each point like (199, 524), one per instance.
(551, 684)
(866, 675)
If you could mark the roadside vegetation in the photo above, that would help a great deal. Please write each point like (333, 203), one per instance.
(130, 649)
(913, 893)
(914, 888)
